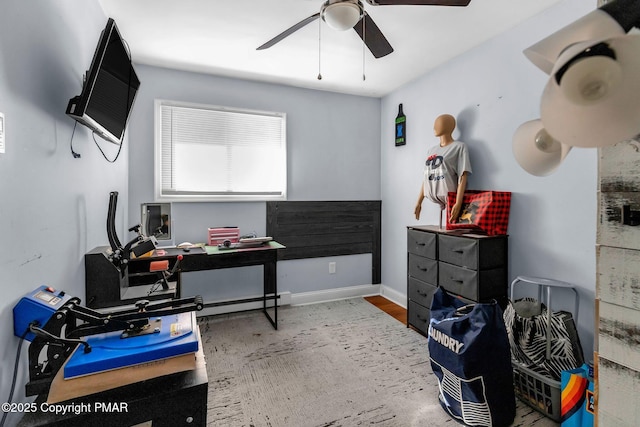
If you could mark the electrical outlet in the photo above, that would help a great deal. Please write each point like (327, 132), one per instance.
(332, 268)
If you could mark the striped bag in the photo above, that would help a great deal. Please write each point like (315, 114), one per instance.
(532, 345)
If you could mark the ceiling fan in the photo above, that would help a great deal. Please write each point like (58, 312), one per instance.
(344, 14)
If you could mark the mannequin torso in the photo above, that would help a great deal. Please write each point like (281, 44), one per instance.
(446, 169)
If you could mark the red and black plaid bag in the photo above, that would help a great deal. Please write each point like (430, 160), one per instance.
(484, 210)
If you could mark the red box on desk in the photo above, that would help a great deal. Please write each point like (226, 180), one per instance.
(218, 235)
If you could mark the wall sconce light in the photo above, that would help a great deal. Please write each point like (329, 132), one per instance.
(591, 98)
(536, 151)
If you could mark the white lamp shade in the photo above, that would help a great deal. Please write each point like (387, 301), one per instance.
(595, 25)
(535, 151)
(342, 16)
(597, 101)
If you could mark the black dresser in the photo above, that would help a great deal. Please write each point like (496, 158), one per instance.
(473, 267)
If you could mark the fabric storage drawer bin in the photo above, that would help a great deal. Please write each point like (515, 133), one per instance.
(430, 247)
(419, 317)
(459, 281)
(458, 251)
(421, 292)
(481, 285)
(472, 253)
(421, 243)
(424, 269)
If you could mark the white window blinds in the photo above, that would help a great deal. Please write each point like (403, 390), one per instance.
(213, 153)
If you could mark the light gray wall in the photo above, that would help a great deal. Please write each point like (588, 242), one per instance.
(492, 90)
(53, 207)
(333, 154)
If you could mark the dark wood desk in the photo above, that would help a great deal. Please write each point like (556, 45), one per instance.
(213, 258)
(196, 259)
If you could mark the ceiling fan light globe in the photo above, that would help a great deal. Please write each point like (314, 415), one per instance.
(342, 16)
(591, 80)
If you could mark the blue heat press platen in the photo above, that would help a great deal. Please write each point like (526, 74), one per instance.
(110, 351)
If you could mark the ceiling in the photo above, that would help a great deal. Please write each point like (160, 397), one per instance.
(220, 37)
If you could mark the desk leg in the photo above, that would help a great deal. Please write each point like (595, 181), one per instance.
(179, 285)
(270, 287)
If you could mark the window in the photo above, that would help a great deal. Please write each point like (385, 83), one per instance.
(211, 153)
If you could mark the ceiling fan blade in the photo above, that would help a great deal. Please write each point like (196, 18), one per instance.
(419, 2)
(289, 31)
(373, 37)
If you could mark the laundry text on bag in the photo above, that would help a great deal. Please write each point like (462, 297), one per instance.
(444, 339)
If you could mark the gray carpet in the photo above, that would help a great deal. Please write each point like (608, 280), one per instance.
(341, 363)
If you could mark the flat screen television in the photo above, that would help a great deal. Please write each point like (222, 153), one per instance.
(109, 88)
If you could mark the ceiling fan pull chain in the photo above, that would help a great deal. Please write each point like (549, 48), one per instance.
(319, 48)
(364, 44)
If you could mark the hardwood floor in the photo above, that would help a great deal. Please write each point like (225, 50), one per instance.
(389, 307)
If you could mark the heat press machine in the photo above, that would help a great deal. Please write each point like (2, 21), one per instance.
(72, 341)
(138, 246)
(107, 268)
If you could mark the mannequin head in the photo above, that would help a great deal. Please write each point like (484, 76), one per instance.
(444, 126)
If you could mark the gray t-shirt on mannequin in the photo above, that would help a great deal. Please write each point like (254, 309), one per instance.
(443, 168)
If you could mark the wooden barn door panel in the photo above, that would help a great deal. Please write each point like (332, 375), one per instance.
(618, 286)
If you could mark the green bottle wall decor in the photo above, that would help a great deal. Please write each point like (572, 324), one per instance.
(401, 127)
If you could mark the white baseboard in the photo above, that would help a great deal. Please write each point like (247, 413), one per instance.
(394, 296)
(325, 295)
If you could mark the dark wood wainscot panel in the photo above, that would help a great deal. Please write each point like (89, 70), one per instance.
(327, 228)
